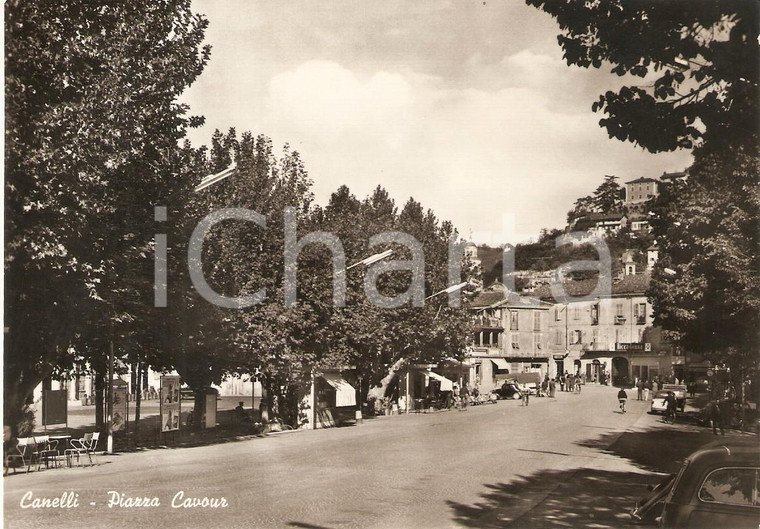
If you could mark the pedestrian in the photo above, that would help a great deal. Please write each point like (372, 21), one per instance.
(716, 417)
(525, 395)
(640, 389)
(570, 384)
(647, 389)
(622, 397)
(464, 395)
(552, 387)
(655, 386)
(578, 384)
(670, 411)
(562, 383)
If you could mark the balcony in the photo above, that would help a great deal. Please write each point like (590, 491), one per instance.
(641, 320)
(619, 320)
(488, 322)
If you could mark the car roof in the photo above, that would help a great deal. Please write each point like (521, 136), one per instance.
(726, 453)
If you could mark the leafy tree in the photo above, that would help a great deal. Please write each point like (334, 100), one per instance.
(583, 206)
(92, 129)
(698, 62)
(706, 287)
(608, 197)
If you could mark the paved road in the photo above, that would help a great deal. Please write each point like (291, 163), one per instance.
(549, 464)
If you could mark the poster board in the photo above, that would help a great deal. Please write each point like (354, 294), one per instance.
(54, 407)
(120, 409)
(209, 418)
(170, 403)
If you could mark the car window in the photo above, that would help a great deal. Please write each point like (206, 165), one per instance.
(733, 486)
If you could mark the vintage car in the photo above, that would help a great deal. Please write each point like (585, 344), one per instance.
(717, 486)
(508, 390)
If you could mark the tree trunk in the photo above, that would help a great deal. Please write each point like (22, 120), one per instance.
(199, 395)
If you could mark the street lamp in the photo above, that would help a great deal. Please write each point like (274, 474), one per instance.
(212, 179)
(369, 260)
(449, 290)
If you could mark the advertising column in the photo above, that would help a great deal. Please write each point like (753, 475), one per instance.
(170, 403)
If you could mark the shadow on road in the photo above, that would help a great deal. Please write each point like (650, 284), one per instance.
(586, 497)
(654, 449)
(573, 498)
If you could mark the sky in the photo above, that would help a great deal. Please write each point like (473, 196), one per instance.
(466, 106)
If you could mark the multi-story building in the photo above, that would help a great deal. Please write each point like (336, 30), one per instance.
(610, 333)
(641, 190)
(511, 336)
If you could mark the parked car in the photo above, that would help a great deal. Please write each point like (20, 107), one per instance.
(680, 391)
(717, 486)
(509, 390)
(659, 402)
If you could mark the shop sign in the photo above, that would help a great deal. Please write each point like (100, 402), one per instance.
(633, 346)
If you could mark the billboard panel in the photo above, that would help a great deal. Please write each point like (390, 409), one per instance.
(170, 403)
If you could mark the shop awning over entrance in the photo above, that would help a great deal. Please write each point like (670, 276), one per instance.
(345, 394)
(446, 384)
(500, 363)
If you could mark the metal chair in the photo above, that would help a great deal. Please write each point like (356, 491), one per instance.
(26, 452)
(47, 450)
(80, 447)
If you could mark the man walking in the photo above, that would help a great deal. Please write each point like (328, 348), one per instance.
(640, 389)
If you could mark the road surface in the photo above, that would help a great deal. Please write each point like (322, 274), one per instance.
(497, 465)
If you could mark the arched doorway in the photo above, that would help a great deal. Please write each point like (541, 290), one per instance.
(620, 371)
(594, 371)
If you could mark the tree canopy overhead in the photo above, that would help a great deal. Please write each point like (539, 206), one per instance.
(710, 295)
(92, 125)
(699, 63)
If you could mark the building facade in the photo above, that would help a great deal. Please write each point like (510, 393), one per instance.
(610, 336)
(511, 336)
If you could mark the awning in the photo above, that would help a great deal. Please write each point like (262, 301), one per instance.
(446, 384)
(500, 363)
(345, 394)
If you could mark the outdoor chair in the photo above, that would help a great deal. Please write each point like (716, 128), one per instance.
(83, 446)
(47, 450)
(26, 452)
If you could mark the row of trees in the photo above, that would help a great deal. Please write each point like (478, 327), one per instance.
(93, 146)
(701, 63)
(285, 342)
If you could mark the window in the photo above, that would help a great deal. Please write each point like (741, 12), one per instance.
(594, 335)
(576, 336)
(513, 320)
(559, 337)
(536, 321)
(617, 335)
(732, 486)
(619, 317)
(576, 313)
(595, 314)
(640, 313)
(515, 341)
(557, 314)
